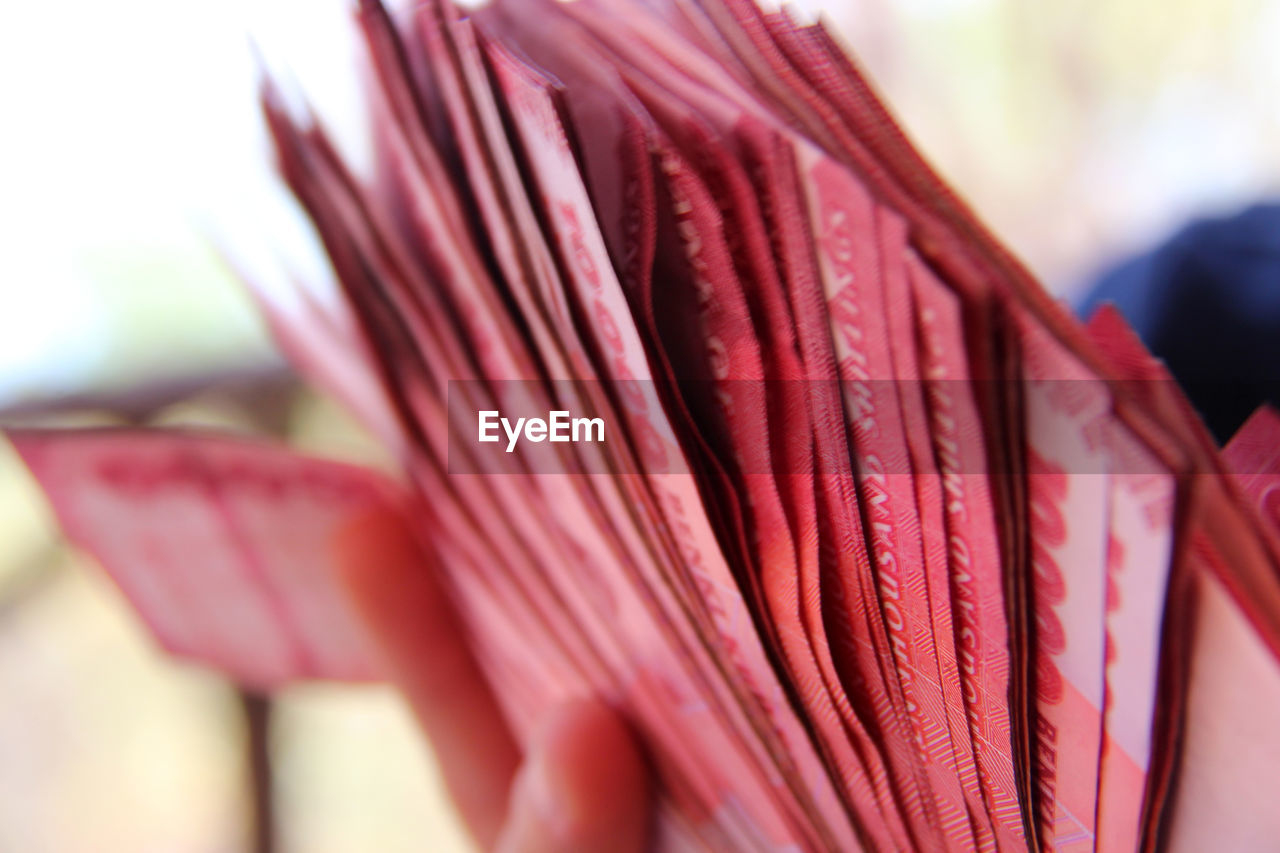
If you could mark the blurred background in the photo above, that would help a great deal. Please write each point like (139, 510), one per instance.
(1082, 131)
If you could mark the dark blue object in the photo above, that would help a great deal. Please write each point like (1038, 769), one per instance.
(1207, 302)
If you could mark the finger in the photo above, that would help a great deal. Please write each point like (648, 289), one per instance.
(393, 585)
(584, 787)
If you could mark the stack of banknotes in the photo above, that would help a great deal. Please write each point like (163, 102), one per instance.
(713, 400)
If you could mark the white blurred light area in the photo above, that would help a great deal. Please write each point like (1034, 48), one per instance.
(131, 139)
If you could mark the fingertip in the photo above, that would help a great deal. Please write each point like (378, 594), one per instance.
(392, 584)
(584, 787)
(602, 771)
(374, 551)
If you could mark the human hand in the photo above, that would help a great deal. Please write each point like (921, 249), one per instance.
(581, 786)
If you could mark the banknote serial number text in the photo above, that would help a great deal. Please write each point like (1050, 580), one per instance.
(557, 427)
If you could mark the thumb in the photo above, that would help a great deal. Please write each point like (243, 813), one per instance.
(392, 584)
(583, 787)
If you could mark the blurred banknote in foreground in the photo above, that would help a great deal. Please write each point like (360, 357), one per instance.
(714, 401)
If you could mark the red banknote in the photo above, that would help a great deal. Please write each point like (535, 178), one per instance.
(714, 401)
